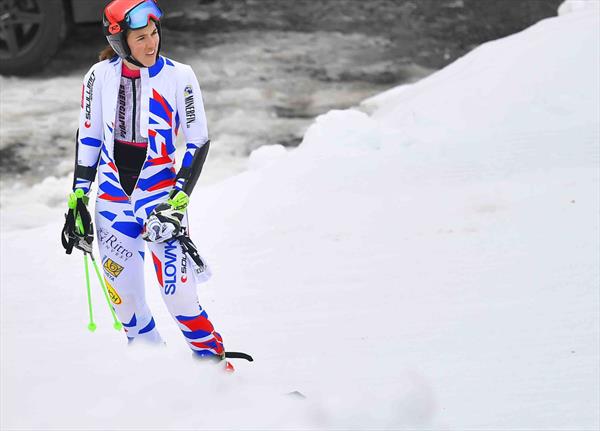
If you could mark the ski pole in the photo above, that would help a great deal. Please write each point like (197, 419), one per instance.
(116, 324)
(91, 326)
(79, 226)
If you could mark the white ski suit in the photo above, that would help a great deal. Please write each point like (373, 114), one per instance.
(169, 99)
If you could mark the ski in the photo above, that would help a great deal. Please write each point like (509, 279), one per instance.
(239, 355)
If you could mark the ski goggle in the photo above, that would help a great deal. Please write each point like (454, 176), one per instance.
(135, 18)
(138, 16)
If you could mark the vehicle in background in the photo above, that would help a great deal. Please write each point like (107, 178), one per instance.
(32, 30)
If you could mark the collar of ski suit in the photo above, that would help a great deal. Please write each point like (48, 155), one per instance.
(129, 73)
(153, 70)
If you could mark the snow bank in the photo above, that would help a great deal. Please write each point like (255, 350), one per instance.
(432, 265)
(266, 156)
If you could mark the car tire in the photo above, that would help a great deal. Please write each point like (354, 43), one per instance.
(30, 33)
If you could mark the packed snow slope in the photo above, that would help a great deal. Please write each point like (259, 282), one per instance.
(433, 264)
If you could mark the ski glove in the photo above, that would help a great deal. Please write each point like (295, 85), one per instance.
(78, 230)
(164, 222)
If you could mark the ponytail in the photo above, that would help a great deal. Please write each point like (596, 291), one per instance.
(107, 53)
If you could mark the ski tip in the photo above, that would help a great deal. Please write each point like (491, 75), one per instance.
(229, 367)
(239, 355)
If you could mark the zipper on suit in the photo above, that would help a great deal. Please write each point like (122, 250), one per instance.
(134, 110)
(133, 135)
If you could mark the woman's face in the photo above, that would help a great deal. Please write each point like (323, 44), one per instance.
(144, 44)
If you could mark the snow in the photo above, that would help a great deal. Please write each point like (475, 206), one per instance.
(266, 156)
(428, 261)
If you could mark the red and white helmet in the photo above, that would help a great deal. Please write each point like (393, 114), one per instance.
(122, 15)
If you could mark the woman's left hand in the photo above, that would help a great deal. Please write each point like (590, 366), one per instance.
(164, 222)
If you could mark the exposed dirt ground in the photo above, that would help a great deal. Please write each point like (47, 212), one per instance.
(267, 67)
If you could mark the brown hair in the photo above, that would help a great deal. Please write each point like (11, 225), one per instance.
(107, 53)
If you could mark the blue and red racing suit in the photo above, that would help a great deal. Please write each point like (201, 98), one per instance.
(127, 129)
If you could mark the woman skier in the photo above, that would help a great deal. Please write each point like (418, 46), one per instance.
(134, 102)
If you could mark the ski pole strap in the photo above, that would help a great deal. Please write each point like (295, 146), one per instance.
(188, 247)
(239, 355)
(68, 241)
(83, 219)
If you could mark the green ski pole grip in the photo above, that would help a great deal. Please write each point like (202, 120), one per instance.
(116, 324)
(91, 326)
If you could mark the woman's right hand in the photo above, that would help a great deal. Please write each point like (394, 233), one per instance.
(78, 230)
